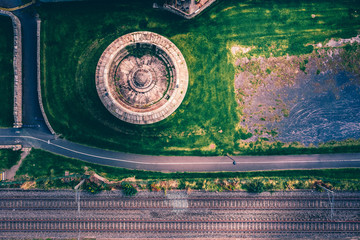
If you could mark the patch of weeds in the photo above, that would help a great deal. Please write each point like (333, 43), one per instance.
(255, 186)
(210, 186)
(285, 112)
(273, 133)
(303, 65)
(128, 189)
(242, 134)
(93, 187)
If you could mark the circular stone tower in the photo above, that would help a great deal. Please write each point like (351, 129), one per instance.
(141, 77)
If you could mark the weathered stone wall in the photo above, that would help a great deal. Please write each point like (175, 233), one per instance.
(14, 147)
(38, 30)
(17, 63)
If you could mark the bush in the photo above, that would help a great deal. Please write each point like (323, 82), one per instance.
(128, 189)
(155, 187)
(210, 185)
(255, 186)
(92, 187)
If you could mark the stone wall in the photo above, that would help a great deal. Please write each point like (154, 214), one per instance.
(14, 147)
(38, 63)
(17, 63)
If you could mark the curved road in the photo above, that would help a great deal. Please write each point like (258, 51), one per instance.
(36, 134)
(39, 139)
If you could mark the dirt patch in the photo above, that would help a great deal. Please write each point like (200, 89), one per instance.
(240, 49)
(311, 98)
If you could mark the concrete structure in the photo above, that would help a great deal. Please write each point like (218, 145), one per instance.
(187, 8)
(142, 78)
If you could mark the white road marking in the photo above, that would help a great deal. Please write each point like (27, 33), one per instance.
(183, 163)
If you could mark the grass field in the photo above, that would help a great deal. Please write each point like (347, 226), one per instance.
(6, 72)
(207, 123)
(42, 164)
(8, 158)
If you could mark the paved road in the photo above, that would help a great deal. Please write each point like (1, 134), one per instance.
(35, 134)
(38, 139)
(32, 115)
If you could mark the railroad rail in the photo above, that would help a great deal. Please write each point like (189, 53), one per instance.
(211, 215)
(150, 225)
(123, 203)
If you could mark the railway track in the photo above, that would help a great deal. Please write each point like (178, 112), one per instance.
(188, 197)
(196, 215)
(238, 204)
(206, 226)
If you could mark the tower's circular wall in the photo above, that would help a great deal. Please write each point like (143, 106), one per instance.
(141, 77)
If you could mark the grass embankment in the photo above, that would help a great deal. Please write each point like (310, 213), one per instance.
(75, 34)
(40, 165)
(6, 72)
(8, 158)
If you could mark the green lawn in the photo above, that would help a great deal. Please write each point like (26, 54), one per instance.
(75, 34)
(6, 72)
(40, 164)
(8, 158)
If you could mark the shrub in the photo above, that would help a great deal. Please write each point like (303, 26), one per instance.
(92, 187)
(155, 187)
(229, 185)
(128, 189)
(255, 186)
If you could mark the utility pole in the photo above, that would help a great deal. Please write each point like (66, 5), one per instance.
(77, 194)
(77, 200)
(331, 200)
(234, 162)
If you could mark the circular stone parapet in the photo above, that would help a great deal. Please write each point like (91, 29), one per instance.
(141, 77)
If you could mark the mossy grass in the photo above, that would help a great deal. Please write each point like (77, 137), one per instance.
(6, 72)
(74, 35)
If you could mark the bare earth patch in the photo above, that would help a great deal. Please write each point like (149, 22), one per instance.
(311, 98)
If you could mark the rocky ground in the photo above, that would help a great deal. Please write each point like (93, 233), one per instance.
(311, 98)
